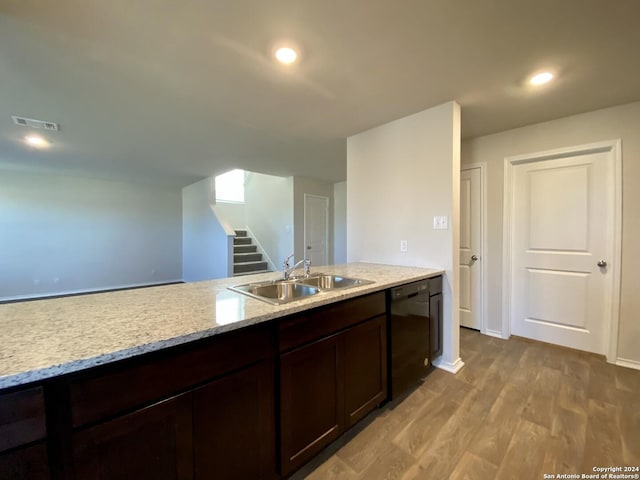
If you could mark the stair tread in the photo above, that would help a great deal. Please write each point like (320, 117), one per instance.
(250, 262)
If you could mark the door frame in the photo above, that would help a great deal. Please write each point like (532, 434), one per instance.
(326, 226)
(613, 307)
(484, 302)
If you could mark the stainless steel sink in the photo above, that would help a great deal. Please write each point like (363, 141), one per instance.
(332, 282)
(276, 292)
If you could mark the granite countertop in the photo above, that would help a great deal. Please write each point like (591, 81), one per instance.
(46, 338)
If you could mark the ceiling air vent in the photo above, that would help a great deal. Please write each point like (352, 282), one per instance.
(30, 122)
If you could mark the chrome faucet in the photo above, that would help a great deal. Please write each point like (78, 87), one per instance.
(287, 270)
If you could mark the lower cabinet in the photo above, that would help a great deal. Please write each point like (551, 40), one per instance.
(223, 429)
(327, 386)
(365, 362)
(152, 443)
(234, 426)
(28, 463)
(311, 400)
(23, 431)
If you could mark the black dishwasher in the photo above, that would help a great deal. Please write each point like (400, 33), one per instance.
(409, 338)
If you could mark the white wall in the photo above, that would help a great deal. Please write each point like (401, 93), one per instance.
(607, 124)
(232, 213)
(269, 213)
(399, 176)
(61, 234)
(340, 222)
(207, 246)
(302, 185)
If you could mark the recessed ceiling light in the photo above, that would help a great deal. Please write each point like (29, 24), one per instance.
(36, 141)
(286, 55)
(541, 78)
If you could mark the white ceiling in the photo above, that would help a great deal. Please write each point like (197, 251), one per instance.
(172, 91)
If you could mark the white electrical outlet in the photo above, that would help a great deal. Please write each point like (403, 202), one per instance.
(440, 222)
(404, 246)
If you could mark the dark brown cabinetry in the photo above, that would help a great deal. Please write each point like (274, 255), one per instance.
(234, 426)
(27, 463)
(365, 365)
(153, 443)
(23, 453)
(200, 411)
(223, 429)
(335, 377)
(311, 400)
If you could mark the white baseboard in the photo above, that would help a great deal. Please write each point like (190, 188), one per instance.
(449, 367)
(494, 333)
(624, 362)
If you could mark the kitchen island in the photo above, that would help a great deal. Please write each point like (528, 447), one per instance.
(180, 371)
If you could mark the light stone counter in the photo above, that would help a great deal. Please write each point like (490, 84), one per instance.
(41, 339)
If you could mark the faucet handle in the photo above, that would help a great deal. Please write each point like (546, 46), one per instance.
(307, 266)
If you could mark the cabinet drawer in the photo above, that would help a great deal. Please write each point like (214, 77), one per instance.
(155, 377)
(22, 418)
(321, 322)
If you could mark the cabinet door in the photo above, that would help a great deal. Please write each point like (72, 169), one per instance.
(365, 348)
(234, 426)
(28, 463)
(312, 400)
(154, 443)
(435, 314)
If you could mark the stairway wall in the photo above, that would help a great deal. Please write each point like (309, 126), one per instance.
(269, 213)
(232, 213)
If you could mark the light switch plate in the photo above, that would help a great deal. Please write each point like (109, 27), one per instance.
(404, 246)
(440, 222)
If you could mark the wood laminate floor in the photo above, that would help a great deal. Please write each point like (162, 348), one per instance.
(517, 410)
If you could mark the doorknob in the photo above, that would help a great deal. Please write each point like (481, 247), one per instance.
(308, 247)
(602, 263)
(474, 257)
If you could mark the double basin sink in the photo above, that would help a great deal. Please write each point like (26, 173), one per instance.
(278, 292)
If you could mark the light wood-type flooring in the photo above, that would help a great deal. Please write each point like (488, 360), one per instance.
(517, 410)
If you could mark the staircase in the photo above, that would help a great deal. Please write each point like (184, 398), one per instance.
(246, 258)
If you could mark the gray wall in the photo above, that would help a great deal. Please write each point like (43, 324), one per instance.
(206, 245)
(399, 176)
(269, 214)
(340, 222)
(611, 123)
(302, 185)
(61, 234)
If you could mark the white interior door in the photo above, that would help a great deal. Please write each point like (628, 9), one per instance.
(316, 229)
(470, 249)
(562, 229)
